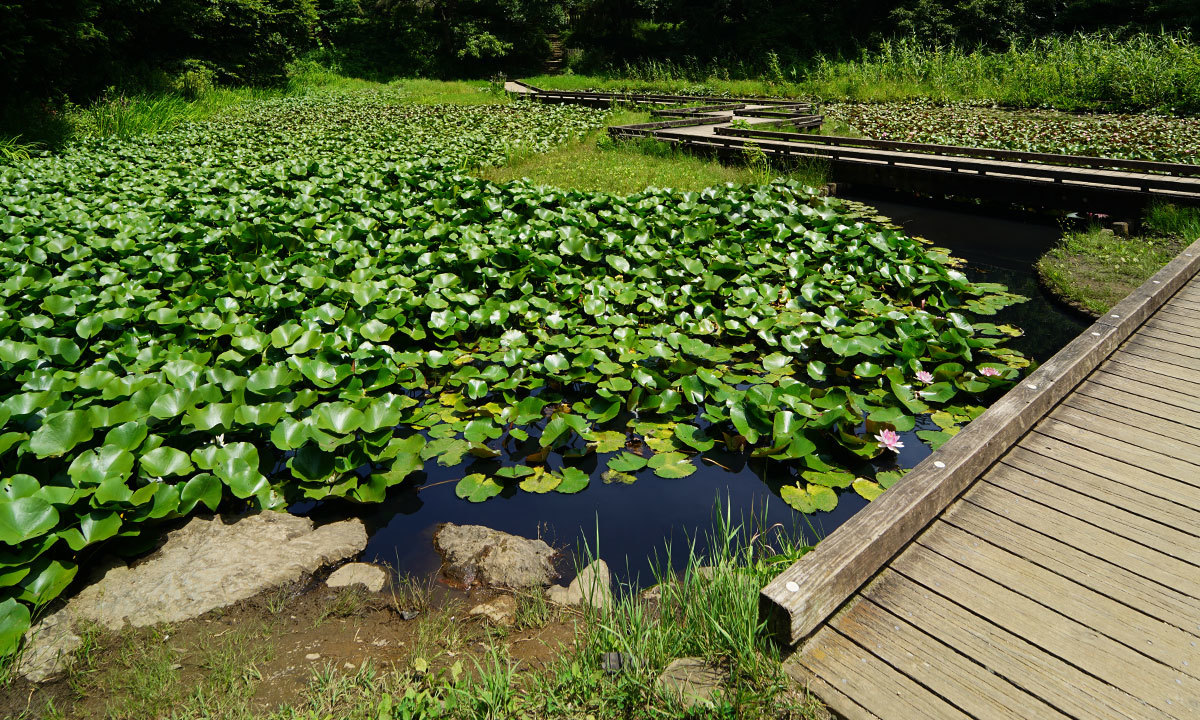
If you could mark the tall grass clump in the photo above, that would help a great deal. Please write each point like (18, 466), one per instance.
(12, 150)
(708, 611)
(1100, 71)
(125, 116)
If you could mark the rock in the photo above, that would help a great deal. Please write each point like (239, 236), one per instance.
(693, 681)
(475, 554)
(372, 577)
(204, 565)
(592, 587)
(313, 656)
(501, 611)
(49, 646)
(651, 594)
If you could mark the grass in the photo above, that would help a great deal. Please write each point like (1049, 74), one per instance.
(1093, 269)
(345, 602)
(1099, 71)
(598, 164)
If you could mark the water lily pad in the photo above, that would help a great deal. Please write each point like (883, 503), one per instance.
(671, 465)
(477, 488)
(573, 480)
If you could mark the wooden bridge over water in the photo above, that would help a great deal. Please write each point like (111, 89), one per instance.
(1111, 185)
(1044, 562)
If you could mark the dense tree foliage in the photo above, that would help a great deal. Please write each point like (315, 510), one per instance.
(618, 31)
(79, 48)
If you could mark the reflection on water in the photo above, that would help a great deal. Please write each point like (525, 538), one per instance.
(630, 525)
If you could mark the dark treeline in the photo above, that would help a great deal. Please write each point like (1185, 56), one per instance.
(614, 32)
(79, 48)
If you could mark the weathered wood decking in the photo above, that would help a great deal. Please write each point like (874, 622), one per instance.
(1045, 563)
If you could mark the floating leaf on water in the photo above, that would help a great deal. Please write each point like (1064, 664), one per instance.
(477, 488)
(573, 480)
(671, 465)
(626, 462)
(867, 489)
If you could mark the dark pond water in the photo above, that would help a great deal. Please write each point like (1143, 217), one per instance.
(631, 526)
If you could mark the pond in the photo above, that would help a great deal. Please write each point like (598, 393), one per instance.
(631, 525)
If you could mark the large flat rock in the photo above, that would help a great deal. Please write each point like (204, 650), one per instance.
(207, 564)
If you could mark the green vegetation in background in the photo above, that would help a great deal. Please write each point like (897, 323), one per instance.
(1094, 269)
(601, 164)
(463, 671)
(129, 116)
(1080, 72)
(492, 323)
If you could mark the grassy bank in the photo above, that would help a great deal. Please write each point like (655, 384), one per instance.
(1158, 72)
(255, 660)
(598, 163)
(1093, 269)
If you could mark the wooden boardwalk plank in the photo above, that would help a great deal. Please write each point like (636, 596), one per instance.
(959, 680)
(1172, 422)
(1183, 373)
(1143, 349)
(1162, 323)
(1119, 390)
(1128, 432)
(1168, 334)
(1109, 446)
(1147, 562)
(874, 685)
(834, 699)
(1041, 674)
(1132, 628)
(1140, 380)
(1171, 692)
(1128, 497)
(1176, 318)
(1121, 584)
(1183, 306)
(1185, 495)
(1131, 526)
(1153, 344)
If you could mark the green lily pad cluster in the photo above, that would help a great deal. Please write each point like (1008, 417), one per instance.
(308, 301)
(1146, 136)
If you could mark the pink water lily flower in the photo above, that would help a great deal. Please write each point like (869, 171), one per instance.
(990, 372)
(925, 376)
(890, 440)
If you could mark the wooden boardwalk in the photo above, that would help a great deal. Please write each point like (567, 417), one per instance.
(1109, 185)
(1045, 563)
